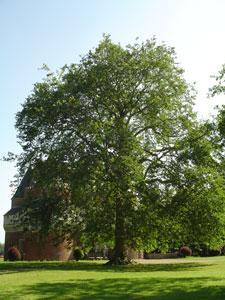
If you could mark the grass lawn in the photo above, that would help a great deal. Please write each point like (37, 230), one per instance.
(171, 279)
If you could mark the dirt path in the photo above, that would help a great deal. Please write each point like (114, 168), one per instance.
(170, 261)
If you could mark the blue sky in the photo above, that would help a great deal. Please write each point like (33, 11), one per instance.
(56, 32)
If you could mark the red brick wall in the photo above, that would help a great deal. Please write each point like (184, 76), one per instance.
(17, 202)
(35, 248)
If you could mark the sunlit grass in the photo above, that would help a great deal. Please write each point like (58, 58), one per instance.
(187, 279)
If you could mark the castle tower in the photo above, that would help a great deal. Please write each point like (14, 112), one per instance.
(30, 245)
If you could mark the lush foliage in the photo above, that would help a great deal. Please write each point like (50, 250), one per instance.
(13, 254)
(118, 154)
(1, 248)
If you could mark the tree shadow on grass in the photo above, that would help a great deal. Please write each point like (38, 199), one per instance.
(10, 267)
(124, 288)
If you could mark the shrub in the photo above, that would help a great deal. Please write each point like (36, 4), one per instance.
(185, 251)
(13, 254)
(214, 252)
(78, 254)
(204, 250)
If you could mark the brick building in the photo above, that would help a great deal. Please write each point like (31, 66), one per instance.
(31, 246)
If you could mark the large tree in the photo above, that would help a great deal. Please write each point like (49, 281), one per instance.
(112, 141)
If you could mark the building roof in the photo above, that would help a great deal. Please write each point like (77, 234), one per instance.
(25, 182)
(13, 211)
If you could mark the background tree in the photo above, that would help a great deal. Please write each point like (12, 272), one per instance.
(118, 133)
(1, 248)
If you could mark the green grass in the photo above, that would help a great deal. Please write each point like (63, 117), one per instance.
(195, 279)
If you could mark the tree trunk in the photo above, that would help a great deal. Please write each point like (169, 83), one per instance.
(119, 254)
(120, 177)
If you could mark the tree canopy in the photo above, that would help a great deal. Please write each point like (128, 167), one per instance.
(118, 152)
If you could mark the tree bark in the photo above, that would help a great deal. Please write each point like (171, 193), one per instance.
(119, 254)
(120, 178)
